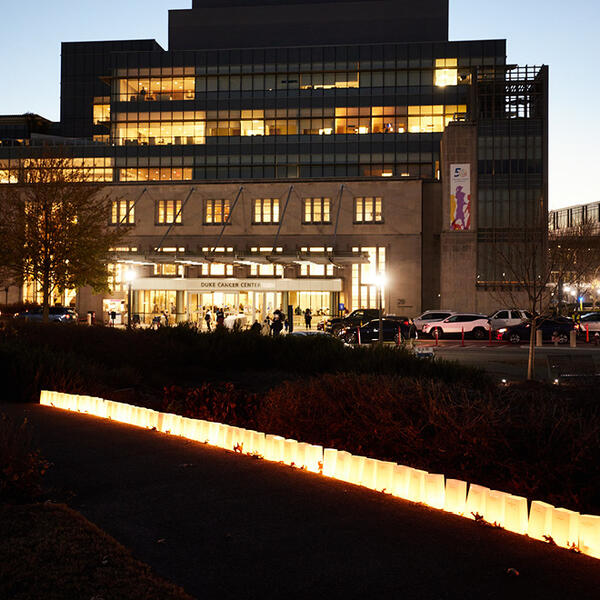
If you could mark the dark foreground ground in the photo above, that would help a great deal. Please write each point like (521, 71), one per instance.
(226, 526)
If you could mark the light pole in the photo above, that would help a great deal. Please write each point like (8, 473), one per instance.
(130, 276)
(380, 281)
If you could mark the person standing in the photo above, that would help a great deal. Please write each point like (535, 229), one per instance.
(207, 319)
(308, 318)
(220, 318)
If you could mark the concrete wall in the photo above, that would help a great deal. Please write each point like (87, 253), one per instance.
(400, 232)
(458, 249)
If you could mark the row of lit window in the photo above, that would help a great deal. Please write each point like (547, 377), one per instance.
(445, 73)
(419, 120)
(265, 211)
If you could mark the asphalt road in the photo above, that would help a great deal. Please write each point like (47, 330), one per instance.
(227, 526)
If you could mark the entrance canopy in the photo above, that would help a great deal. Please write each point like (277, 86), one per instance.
(233, 284)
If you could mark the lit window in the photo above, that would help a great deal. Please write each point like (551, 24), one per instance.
(217, 270)
(446, 72)
(122, 212)
(368, 210)
(266, 270)
(266, 210)
(317, 210)
(169, 212)
(216, 212)
(364, 291)
(168, 270)
(101, 110)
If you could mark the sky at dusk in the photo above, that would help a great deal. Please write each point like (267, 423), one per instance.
(562, 35)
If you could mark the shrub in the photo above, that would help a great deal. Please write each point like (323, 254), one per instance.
(537, 442)
(221, 403)
(22, 466)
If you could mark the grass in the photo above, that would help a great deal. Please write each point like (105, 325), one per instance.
(49, 551)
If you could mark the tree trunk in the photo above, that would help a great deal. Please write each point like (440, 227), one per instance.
(531, 361)
(46, 298)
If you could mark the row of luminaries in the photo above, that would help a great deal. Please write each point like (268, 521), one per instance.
(542, 521)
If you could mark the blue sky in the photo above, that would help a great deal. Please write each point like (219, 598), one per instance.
(562, 35)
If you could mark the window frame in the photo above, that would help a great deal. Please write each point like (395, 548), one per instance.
(212, 203)
(361, 201)
(128, 215)
(177, 210)
(322, 202)
(258, 207)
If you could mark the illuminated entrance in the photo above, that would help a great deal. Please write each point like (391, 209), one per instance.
(248, 300)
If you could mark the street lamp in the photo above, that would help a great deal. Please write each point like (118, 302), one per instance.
(130, 276)
(380, 280)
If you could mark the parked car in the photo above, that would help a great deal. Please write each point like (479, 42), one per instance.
(589, 322)
(355, 318)
(57, 314)
(429, 316)
(562, 326)
(508, 317)
(370, 332)
(472, 324)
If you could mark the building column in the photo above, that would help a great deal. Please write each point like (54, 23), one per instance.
(179, 307)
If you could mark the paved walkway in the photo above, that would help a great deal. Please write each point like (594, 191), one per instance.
(226, 526)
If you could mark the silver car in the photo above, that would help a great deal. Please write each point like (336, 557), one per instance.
(507, 318)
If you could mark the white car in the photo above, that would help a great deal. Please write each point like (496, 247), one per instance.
(507, 317)
(472, 324)
(589, 322)
(429, 316)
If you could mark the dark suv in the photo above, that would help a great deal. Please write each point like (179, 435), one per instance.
(356, 318)
(58, 314)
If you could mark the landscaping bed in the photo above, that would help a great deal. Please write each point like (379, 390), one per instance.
(534, 440)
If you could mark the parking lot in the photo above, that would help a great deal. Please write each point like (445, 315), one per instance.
(509, 361)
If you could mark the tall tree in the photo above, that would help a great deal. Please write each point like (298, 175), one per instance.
(54, 227)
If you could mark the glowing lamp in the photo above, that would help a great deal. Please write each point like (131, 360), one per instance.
(401, 480)
(274, 448)
(416, 485)
(589, 535)
(342, 465)
(455, 498)
(476, 501)
(213, 433)
(44, 398)
(329, 460)
(385, 476)
(257, 443)
(435, 490)
(315, 461)
(203, 431)
(369, 474)
(289, 451)
(356, 469)
(495, 507)
(565, 527)
(222, 435)
(515, 514)
(302, 454)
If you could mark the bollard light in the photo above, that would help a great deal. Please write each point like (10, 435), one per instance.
(401, 481)
(385, 476)
(343, 462)
(416, 485)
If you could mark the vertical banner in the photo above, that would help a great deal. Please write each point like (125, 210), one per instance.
(460, 197)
